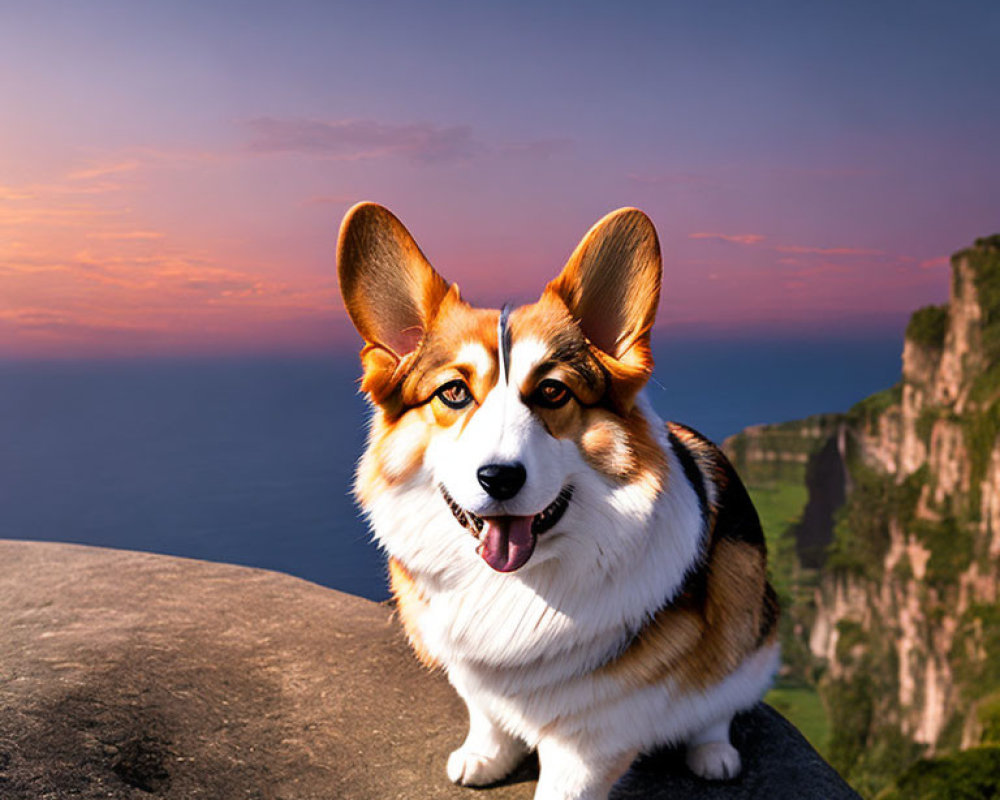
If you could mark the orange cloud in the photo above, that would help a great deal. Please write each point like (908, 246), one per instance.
(65, 216)
(9, 193)
(101, 170)
(85, 275)
(125, 235)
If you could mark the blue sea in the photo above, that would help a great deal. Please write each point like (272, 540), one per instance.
(249, 461)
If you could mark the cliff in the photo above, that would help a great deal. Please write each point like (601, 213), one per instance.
(129, 675)
(902, 621)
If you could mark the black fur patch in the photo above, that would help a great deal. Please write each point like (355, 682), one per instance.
(736, 518)
(735, 515)
(691, 472)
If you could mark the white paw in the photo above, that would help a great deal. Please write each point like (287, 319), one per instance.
(468, 768)
(715, 761)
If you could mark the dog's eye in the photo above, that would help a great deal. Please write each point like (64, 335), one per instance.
(551, 394)
(455, 394)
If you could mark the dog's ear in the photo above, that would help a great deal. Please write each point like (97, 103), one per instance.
(611, 286)
(390, 290)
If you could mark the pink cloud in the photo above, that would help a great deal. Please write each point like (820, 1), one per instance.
(827, 251)
(39, 320)
(537, 148)
(351, 140)
(738, 238)
(935, 263)
(824, 269)
(357, 139)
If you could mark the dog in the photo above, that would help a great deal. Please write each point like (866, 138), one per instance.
(592, 580)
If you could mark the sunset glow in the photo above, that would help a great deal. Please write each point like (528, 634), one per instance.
(172, 176)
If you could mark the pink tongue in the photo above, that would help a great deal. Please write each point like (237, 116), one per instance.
(507, 542)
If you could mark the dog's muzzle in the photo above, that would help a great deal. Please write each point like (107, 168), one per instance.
(507, 542)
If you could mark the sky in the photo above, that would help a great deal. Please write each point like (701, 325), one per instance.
(173, 175)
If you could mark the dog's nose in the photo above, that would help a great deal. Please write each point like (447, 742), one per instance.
(502, 481)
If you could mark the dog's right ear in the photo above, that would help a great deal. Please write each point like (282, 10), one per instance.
(611, 286)
(390, 290)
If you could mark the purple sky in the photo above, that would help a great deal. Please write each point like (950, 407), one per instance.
(172, 175)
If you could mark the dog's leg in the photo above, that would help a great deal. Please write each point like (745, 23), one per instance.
(569, 773)
(488, 754)
(711, 755)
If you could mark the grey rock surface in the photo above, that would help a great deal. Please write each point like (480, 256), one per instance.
(129, 675)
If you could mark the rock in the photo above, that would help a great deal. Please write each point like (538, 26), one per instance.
(129, 675)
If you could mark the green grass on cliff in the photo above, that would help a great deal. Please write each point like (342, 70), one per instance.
(779, 506)
(801, 706)
(927, 327)
(988, 716)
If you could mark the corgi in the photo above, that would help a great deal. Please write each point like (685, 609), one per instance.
(591, 580)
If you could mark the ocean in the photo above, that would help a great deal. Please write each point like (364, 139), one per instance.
(249, 461)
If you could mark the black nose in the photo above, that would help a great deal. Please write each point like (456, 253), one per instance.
(502, 481)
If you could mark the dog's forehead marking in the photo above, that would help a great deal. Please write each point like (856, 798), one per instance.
(503, 343)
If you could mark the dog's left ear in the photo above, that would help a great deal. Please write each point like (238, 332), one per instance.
(611, 286)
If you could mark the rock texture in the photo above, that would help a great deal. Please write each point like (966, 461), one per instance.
(129, 675)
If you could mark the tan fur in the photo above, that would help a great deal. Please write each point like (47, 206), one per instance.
(409, 606)
(694, 641)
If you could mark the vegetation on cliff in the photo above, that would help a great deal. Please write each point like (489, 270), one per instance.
(968, 775)
(898, 624)
(928, 326)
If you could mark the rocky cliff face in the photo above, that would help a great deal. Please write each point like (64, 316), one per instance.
(904, 617)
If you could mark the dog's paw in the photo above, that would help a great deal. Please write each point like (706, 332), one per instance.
(468, 768)
(716, 761)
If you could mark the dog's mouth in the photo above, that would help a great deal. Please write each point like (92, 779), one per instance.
(507, 542)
